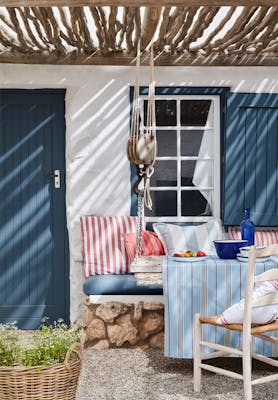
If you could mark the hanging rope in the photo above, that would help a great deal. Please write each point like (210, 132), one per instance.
(142, 146)
(139, 227)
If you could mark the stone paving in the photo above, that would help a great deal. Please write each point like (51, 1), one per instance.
(127, 374)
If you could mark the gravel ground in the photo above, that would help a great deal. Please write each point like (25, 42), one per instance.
(126, 374)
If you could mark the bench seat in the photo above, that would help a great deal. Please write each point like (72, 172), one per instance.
(117, 285)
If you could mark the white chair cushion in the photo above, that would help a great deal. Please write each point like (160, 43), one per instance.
(260, 315)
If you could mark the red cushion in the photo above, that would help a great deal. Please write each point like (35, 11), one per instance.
(103, 247)
(151, 245)
(263, 237)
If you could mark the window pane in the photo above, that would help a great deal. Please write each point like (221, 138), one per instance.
(194, 112)
(192, 140)
(194, 203)
(196, 173)
(165, 173)
(166, 143)
(164, 204)
(166, 112)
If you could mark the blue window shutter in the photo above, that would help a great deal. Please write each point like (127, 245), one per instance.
(251, 158)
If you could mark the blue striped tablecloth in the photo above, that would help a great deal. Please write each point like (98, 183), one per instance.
(207, 287)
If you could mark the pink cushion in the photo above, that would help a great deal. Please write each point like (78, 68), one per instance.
(151, 245)
(263, 237)
(103, 247)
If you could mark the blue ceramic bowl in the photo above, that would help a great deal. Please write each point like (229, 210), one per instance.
(228, 248)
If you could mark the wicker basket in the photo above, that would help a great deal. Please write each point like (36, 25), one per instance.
(54, 382)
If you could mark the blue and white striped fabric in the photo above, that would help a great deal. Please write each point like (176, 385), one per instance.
(177, 239)
(207, 287)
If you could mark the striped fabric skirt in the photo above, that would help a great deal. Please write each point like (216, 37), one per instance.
(207, 287)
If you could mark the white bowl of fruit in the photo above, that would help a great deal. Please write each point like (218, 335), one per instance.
(190, 253)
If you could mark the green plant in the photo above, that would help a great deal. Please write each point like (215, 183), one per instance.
(47, 346)
(9, 344)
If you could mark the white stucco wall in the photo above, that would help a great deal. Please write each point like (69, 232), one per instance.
(97, 128)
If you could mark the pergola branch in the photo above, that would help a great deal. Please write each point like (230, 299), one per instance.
(149, 24)
(176, 24)
(129, 31)
(219, 27)
(163, 28)
(109, 35)
(25, 16)
(186, 25)
(134, 3)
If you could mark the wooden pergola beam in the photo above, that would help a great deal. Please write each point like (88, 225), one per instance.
(135, 3)
(124, 59)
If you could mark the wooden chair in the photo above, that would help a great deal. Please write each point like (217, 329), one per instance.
(247, 331)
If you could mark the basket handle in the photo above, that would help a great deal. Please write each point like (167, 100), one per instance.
(74, 348)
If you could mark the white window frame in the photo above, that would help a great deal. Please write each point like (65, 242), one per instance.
(216, 189)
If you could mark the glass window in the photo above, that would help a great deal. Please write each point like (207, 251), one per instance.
(165, 112)
(191, 142)
(194, 203)
(196, 173)
(166, 143)
(165, 173)
(186, 179)
(194, 112)
(192, 139)
(164, 204)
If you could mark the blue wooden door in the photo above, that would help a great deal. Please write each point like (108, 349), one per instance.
(251, 159)
(34, 270)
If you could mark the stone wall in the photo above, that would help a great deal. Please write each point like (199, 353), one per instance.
(115, 324)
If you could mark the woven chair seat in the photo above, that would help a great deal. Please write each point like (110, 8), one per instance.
(239, 327)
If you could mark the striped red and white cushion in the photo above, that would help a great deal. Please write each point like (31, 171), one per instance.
(151, 245)
(263, 237)
(103, 246)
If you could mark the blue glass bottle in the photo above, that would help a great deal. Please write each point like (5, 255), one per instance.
(247, 228)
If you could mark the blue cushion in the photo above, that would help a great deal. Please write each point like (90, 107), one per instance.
(117, 284)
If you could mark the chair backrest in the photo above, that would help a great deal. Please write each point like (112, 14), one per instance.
(251, 278)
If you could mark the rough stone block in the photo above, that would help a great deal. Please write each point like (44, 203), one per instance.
(153, 306)
(151, 323)
(157, 341)
(141, 346)
(101, 345)
(122, 331)
(137, 314)
(109, 311)
(96, 330)
(87, 317)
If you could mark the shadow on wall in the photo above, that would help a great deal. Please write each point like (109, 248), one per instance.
(98, 171)
(98, 168)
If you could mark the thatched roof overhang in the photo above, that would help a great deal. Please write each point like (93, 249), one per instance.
(192, 32)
